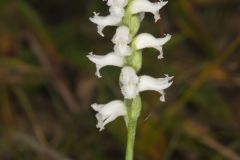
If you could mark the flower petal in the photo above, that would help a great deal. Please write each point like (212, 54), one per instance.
(139, 6)
(156, 84)
(122, 3)
(146, 40)
(117, 11)
(122, 50)
(129, 82)
(109, 59)
(102, 21)
(122, 35)
(108, 112)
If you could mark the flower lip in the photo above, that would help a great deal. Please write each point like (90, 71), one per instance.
(108, 112)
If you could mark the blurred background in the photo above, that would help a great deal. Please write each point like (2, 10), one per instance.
(47, 84)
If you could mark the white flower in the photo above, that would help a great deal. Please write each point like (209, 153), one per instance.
(146, 40)
(122, 3)
(122, 50)
(113, 19)
(129, 82)
(121, 39)
(139, 6)
(102, 21)
(156, 84)
(117, 11)
(105, 60)
(122, 35)
(108, 112)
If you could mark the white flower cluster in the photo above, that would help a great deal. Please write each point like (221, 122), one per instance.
(131, 84)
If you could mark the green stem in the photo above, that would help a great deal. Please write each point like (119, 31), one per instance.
(134, 107)
(131, 139)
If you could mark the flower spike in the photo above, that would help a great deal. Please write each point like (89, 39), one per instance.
(109, 59)
(108, 112)
(127, 16)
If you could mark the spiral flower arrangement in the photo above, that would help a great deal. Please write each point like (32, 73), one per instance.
(127, 15)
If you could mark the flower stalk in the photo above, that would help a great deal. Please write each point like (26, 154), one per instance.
(134, 108)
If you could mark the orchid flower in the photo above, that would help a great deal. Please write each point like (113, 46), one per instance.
(102, 22)
(108, 112)
(139, 6)
(121, 39)
(147, 83)
(109, 59)
(129, 82)
(132, 84)
(146, 40)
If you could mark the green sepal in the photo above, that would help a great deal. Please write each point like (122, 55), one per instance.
(135, 60)
(134, 107)
(132, 21)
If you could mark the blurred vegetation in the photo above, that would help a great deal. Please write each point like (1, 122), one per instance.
(47, 84)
